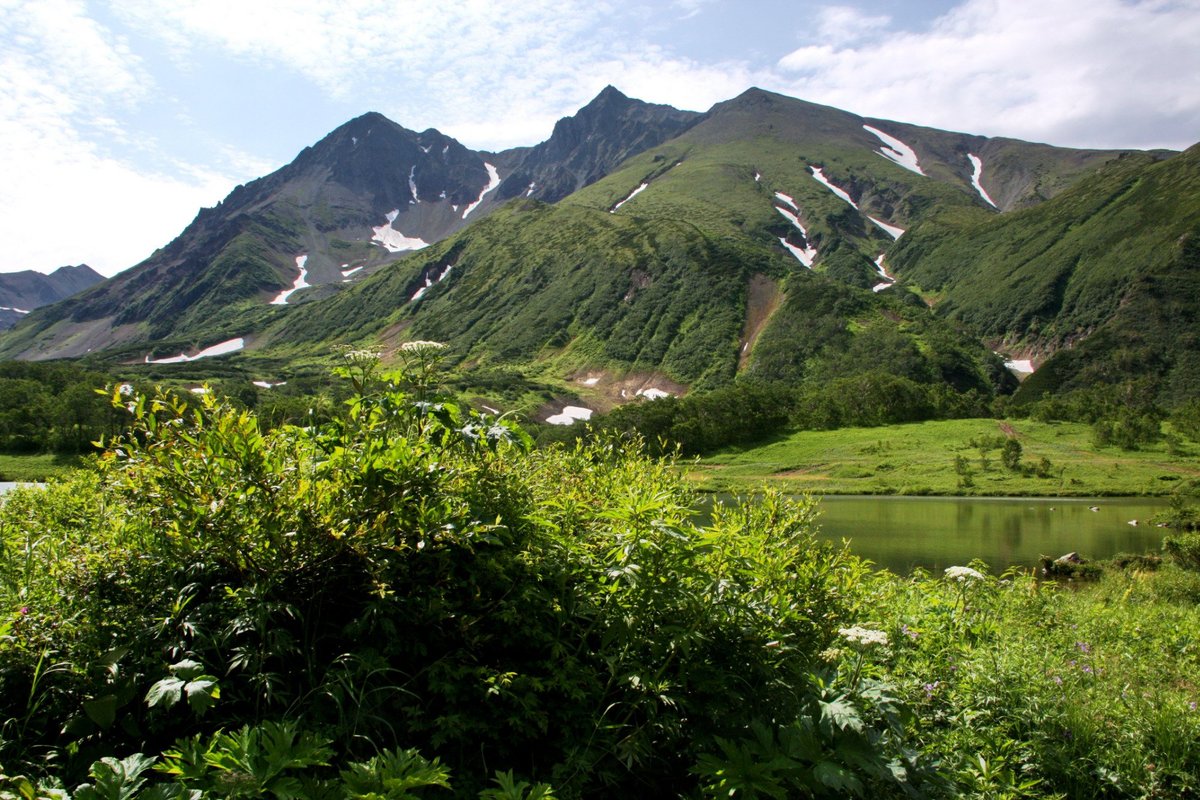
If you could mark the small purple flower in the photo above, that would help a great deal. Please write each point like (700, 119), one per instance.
(907, 631)
(1057, 680)
(1084, 647)
(930, 688)
(1192, 705)
(1088, 669)
(24, 611)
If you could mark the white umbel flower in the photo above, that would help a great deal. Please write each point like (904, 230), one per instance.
(863, 637)
(963, 574)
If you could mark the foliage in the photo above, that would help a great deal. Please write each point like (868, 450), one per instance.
(406, 575)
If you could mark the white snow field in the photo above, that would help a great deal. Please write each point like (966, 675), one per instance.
(393, 240)
(301, 283)
(1020, 365)
(219, 349)
(493, 182)
(976, 174)
(805, 256)
(820, 176)
(429, 281)
(653, 394)
(890, 230)
(569, 414)
(632, 195)
(787, 199)
(896, 151)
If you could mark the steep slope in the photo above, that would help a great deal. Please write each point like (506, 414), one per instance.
(21, 292)
(345, 206)
(1102, 276)
(685, 257)
(687, 261)
(585, 147)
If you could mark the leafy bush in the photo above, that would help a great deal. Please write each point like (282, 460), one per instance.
(405, 575)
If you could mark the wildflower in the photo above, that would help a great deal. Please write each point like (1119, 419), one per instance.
(363, 355)
(24, 611)
(907, 631)
(421, 347)
(1057, 680)
(963, 574)
(1192, 705)
(830, 654)
(930, 688)
(1084, 647)
(863, 637)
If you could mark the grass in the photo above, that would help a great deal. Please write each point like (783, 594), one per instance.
(919, 459)
(36, 467)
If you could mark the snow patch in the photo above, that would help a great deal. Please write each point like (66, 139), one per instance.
(393, 240)
(896, 151)
(489, 409)
(268, 384)
(219, 349)
(888, 279)
(346, 273)
(412, 183)
(301, 283)
(976, 174)
(14, 309)
(757, 177)
(529, 191)
(425, 149)
(653, 394)
(890, 230)
(805, 256)
(632, 195)
(820, 176)
(787, 199)
(354, 141)
(590, 381)
(1024, 365)
(493, 182)
(430, 280)
(569, 414)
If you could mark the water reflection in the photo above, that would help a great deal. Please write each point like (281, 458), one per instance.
(902, 533)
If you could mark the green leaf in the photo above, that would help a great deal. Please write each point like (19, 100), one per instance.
(202, 693)
(165, 693)
(102, 710)
(838, 778)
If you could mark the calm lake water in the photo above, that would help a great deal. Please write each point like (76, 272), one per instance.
(901, 533)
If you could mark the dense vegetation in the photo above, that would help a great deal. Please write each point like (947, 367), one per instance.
(406, 598)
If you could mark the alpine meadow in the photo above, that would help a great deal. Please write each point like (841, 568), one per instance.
(382, 479)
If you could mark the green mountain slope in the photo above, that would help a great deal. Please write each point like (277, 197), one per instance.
(1102, 275)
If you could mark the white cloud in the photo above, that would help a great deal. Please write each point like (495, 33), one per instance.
(65, 81)
(841, 25)
(1101, 73)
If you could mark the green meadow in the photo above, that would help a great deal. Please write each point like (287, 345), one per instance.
(951, 457)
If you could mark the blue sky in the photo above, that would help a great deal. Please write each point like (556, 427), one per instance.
(119, 120)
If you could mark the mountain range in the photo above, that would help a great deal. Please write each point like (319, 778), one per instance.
(21, 292)
(642, 248)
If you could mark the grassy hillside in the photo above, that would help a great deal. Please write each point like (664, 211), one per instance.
(1108, 265)
(922, 458)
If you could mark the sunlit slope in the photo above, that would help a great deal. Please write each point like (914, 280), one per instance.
(1103, 274)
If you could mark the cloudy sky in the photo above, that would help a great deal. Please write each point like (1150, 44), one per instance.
(119, 120)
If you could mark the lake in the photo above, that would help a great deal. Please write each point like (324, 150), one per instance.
(901, 533)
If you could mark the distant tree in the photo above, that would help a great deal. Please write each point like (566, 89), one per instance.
(1010, 455)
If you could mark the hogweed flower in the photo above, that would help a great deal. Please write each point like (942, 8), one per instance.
(963, 574)
(422, 347)
(863, 638)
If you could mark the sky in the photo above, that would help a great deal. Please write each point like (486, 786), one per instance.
(120, 120)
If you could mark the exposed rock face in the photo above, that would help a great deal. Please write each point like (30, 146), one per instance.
(586, 147)
(21, 292)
